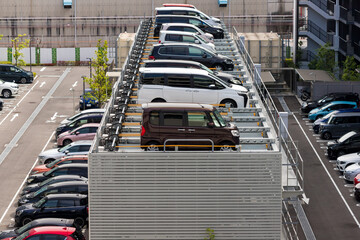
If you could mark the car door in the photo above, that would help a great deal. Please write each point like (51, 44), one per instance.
(66, 208)
(354, 144)
(4, 73)
(178, 88)
(49, 209)
(198, 128)
(80, 171)
(199, 55)
(81, 134)
(205, 90)
(172, 126)
(174, 52)
(13, 74)
(73, 150)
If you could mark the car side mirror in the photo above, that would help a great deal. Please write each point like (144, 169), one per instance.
(197, 41)
(204, 55)
(210, 125)
(77, 133)
(66, 152)
(42, 208)
(212, 86)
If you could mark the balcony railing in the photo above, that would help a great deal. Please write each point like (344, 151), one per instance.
(318, 32)
(356, 16)
(307, 55)
(343, 13)
(331, 7)
(343, 44)
(356, 49)
(324, 5)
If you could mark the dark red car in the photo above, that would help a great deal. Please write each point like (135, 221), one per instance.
(52, 232)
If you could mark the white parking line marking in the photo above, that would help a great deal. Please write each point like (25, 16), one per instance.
(75, 84)
(15, 116)
(41, 70)
(42, 84)
(17, 105)
(308, 124)
(22, 184)
(327, 172)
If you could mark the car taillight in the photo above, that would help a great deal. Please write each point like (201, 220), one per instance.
(159, 41)
(151, 57)
(142, 131)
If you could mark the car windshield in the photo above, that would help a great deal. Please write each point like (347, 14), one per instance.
(346, 136)
(64, 148)
(201, 39)
(39, 203)
(220, 80)
(326, 106)
(48, 173)
(220, 118)
(43, 183)
(203, 67)
(38, 192)
(327, 116)
(75, 116)
(23, 228)
(53, 163)
(22, 236)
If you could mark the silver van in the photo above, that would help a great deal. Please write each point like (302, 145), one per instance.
(339, 124)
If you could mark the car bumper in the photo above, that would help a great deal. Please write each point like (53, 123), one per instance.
(339, 166)
(316, 128)
(349, 176)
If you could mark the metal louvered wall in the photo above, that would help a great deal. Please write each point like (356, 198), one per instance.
(178, 195)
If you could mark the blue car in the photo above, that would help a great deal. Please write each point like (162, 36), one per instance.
(324, 110)
(316, 124)
(90, 101)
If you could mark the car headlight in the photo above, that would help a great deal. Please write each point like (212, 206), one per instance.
(23, 200)
(228, 61)
(81, 101)
(15, 86)
(341, 162)
(218, 30)
(235, 133)
(29, 180)
(18, 213)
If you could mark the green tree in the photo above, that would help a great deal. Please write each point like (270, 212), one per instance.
(325, 59)
(210, 234)
(99, 82)
(19, 43)
(350, 73)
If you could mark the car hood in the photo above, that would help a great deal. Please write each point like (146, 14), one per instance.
(318, 121)
(50, 152)
(30, 188)
(312, 104)
(30, 73)
(209, 35)
(25, 207)
(40, 169)
(215, 19)
(332, 142)
(64, 122)
(10, 84)
(349, 157)
(315, 110)
(239, 88)
(7, 234)
(64, 134)
(353, 167)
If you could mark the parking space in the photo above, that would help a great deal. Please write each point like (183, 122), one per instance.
(332, 211)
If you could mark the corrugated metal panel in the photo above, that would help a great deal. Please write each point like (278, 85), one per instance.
(178, 195)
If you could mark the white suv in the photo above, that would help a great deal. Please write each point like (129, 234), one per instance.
(185, 27)
(188, 86)
(8, 89)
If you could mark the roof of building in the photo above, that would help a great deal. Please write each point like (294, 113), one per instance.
(314, 75)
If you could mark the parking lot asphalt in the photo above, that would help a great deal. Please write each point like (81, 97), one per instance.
(27, 124)
(332, 211)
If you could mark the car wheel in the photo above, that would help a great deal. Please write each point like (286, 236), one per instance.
(218, 67)
(229, 101)
(79, 221)
(23, 80)
(226, 147)
(66, 142)
(26, 221)
(158, 100)
(6, 93)
(326, 136)
(47, 161)
(152, 147)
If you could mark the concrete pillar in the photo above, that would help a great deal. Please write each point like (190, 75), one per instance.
(283, 124)
(257, 72)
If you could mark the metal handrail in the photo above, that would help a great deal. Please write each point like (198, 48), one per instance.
(187, 140)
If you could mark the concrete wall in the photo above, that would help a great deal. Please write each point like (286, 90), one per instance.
(319, 89)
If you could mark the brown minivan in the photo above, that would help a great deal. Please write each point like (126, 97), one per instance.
(186, 124)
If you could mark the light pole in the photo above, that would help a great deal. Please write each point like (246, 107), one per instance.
(72, 90)
(83, 98)
(90, 67)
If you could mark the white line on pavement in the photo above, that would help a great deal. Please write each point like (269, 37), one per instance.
(42, 84)
(15, 116)
(19, 102)
(327, 172)
(22, 184)
(75, 84)
(41, 70)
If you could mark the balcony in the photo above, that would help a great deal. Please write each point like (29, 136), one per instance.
(346, 15)
(321, 34)
(343, 44)
(357, 16)
(356, 50)
(324, 5)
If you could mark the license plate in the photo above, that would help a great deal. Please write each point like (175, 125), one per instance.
(88, 105)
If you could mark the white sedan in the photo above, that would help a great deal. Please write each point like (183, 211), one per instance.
(344, 161)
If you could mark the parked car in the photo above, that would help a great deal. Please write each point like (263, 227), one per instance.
(339, 124)
(357, 192)
(51, 233)
(37, 223)
(166, 63)
(178, 5)
(61, 178)
(8, 89)
(325, 119)
(351, 171)
(190, 12)
(55, 188)
(88, 101)
(332, 106)
(87, 111)
(346, 160)
(192, 85)
(84, 132)
(185, 27)
(58, 162)
(66, 169)
(69, 205)
(81, 120)
(164, 121)
(74, 148)
(11, 73)
(357, 179)
(185, 37)
(306, 107)
(1, 104)
(188, 51)
(348, 143)
(216, 31)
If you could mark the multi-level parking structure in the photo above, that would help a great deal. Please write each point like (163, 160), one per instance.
(136, 194)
